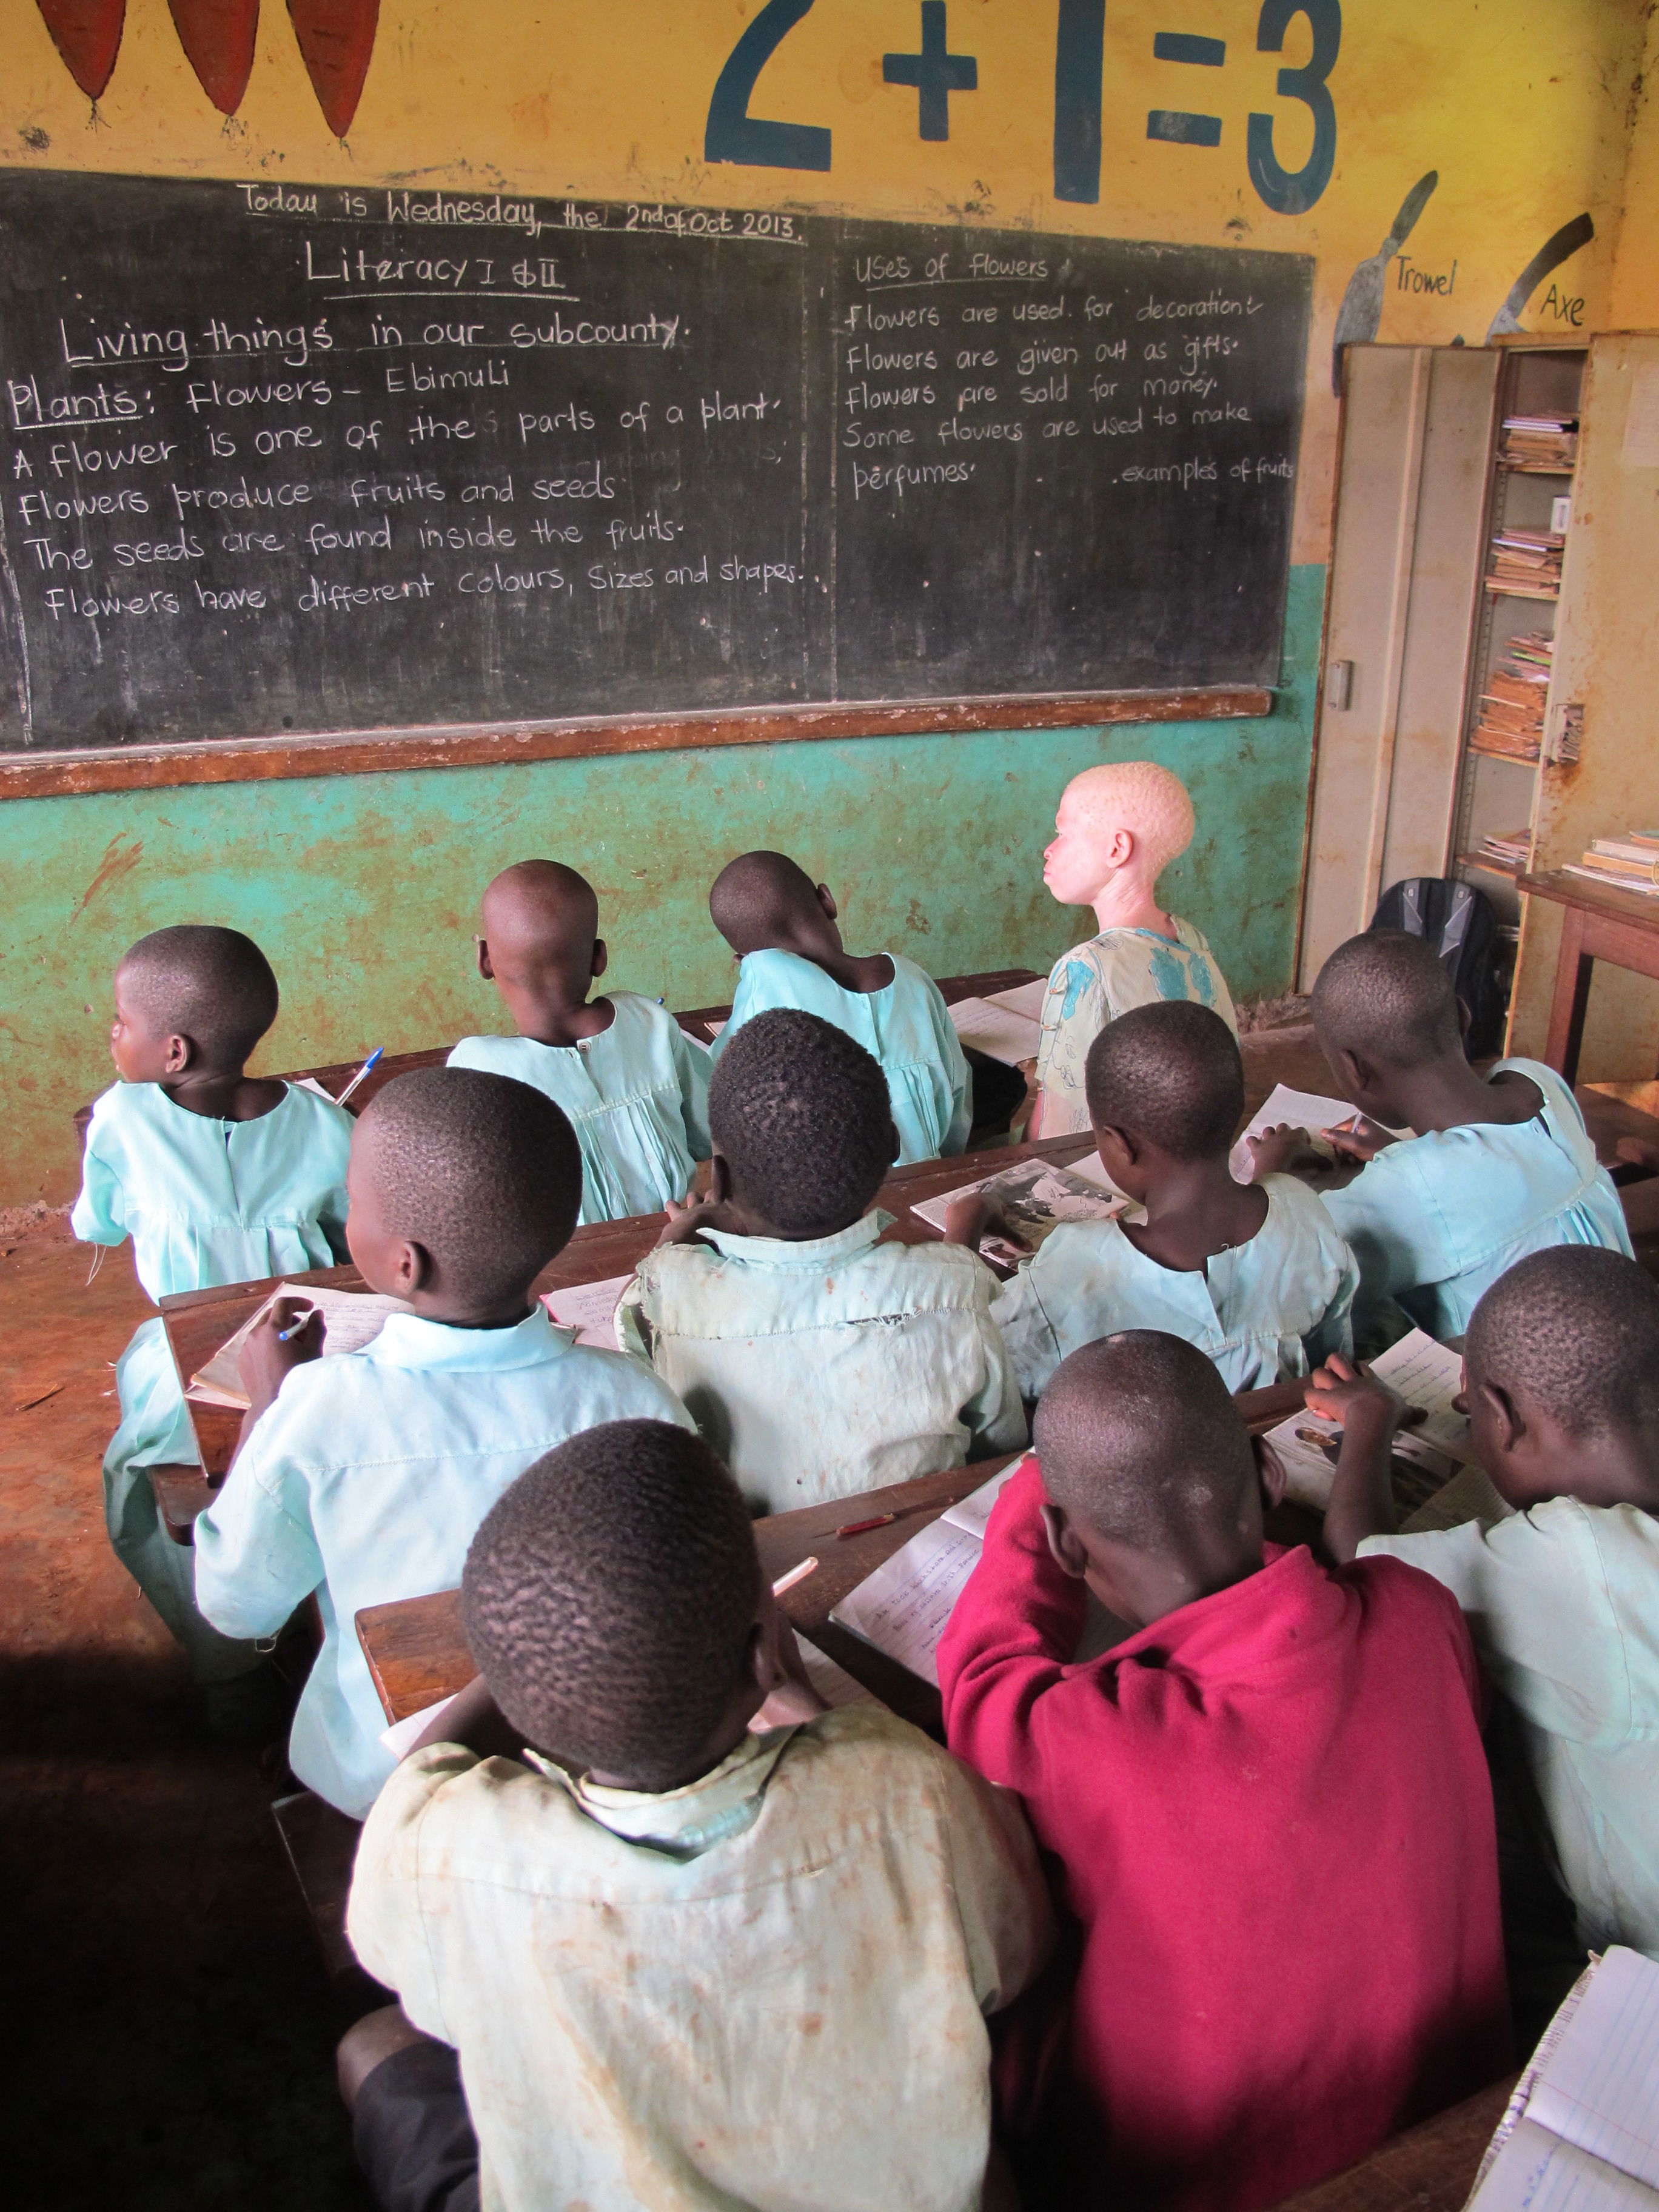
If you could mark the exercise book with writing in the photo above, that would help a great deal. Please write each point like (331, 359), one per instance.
(351, 1319)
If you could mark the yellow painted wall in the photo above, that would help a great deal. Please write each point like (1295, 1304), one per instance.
(1523, 106)
(1633, 303)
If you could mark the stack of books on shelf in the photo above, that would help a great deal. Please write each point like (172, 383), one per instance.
(1527, 561)
(1511, 721)
(1539, 441)
(1630, 862)
(1507, 850)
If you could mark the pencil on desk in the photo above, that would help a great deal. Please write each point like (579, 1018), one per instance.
(858, 1527)
(797, 1574)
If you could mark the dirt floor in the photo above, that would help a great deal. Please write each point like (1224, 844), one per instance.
(172, 2026)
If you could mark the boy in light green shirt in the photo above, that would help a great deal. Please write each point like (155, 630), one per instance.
(1561, 1373)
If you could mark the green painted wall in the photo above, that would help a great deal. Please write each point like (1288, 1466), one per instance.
(363, 890)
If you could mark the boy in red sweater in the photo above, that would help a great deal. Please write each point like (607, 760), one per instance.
(1269, 1806)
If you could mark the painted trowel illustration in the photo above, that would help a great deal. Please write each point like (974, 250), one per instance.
(1361, 312)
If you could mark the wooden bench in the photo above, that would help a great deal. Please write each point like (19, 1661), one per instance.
(1429, 2168)
(321, 1845)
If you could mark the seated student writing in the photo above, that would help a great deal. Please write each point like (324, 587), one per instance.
(626, 1078)
(783, 927)
(218, 1177)
(362, 1477)
(1561, 1373)
(681, 1962)
(1269, 1806)
(1501, 1165)
(1254, 1275)
(818, 1361)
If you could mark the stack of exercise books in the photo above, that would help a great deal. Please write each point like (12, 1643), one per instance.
(1631, 862)
(1528, 561)
(1512, 704)
(1539, 441)
(1508, 849)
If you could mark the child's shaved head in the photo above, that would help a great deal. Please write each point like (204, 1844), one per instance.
(1139, 1440)
(758, 896)
(804, 1119)
(213, 986)
(1170, 1073)
(1136, 795)
(538, 902)
(484, 1172)
(1577, 1330)
(1387, 994)
(608, 1598)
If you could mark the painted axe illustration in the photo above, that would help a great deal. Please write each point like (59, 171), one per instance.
(1559, 246)
(1361, 312)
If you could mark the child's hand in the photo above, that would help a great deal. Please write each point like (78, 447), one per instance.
(1360, 1139)
(1282, 1150)
(967, 1218)
(688, 1218)
(283, 1340)
(1637, 1151)
(1344, 1391)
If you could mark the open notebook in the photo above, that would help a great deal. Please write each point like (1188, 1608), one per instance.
(351, 1319)
(1008, 1026)
(1582, 2132)
(1035, 1196)
(1302, 1109)
(589, 1308)
(1424, 1374)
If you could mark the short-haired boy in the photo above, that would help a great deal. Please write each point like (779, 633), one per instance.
(1269, 1805)
(625, 1075)
(363, 1477)
(1561, 1371)
(1254, 1275)
(817, 1360)
(1501, 1164)
(218, 1177)
(782, 927)
(682, 1963)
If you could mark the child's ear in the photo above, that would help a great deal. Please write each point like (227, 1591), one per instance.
(1510, 1426)
(720, 1176)
(897, 1143)
(1270, 1472)
(480, 945)
(1117, 1148)
(1353, 1072)
(181, 1054)
(411, 1268)
(828, 903)
(601, 958)
(1067, 1551)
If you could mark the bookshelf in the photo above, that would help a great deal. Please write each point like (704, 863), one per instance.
(1499, 780)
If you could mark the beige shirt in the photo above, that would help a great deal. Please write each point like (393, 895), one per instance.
(765, 1989)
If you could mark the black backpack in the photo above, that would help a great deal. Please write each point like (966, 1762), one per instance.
(1458, 921)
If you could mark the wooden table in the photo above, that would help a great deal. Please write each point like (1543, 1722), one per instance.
(1598, 922)
(416, 1653)
(1430, 2168)
(694, 1020)
(198, 1322)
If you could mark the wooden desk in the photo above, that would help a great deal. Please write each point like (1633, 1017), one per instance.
(335, 1075)
(1598, 923)
(198, 1322)
(416, 1653)
(1430, 2168)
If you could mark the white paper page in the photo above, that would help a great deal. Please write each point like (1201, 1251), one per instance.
(590, 1309)
(714, 1027)
(1036, 1195)
(1537, 2172)
(1599, 2089)
(830, 1679)
(310, 1083)
(904, 1607)
(974, 1511)
(1007, 1036)
(1468, 1497)
(1303, 1110)
(1024, 998)
(400, 1738)
(1424, 1374)
(351, 1319)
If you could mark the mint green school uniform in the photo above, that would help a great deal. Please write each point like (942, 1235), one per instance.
(205, 1202)
(1435, 1220)
(907, 1027)
(1264, 1311)
(636, 1095)
(365, 1482)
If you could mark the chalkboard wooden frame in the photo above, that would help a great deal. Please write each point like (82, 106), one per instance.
(368, 752)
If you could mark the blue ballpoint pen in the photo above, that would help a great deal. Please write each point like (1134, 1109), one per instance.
(364, 1070)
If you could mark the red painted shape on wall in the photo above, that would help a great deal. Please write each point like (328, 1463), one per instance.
(87, 35)
(336, 38)
(217, 37)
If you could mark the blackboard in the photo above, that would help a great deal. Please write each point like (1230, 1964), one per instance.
(286, 458)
